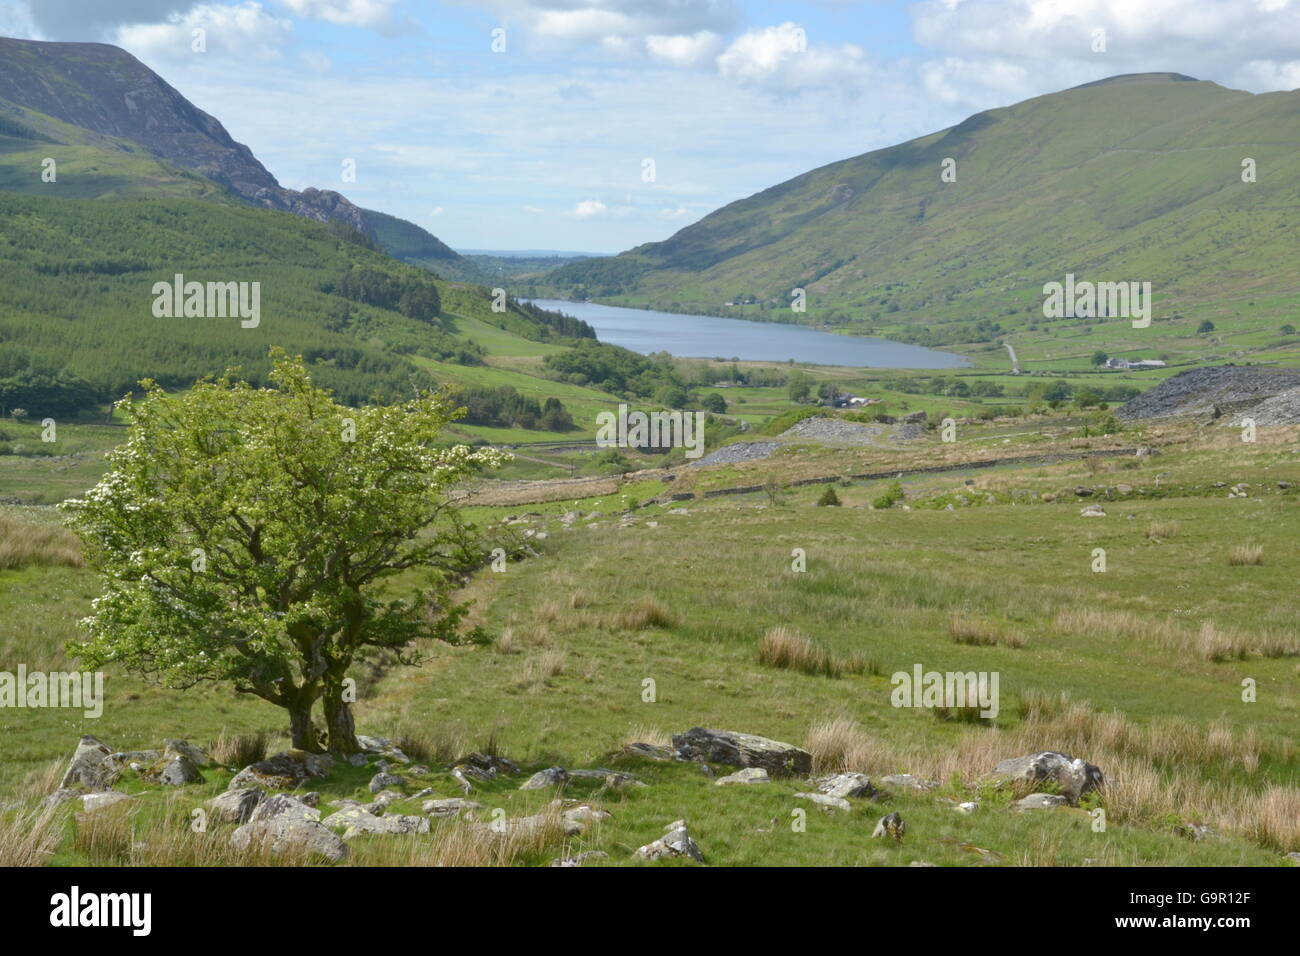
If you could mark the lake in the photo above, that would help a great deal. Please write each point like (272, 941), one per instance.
(706, 336)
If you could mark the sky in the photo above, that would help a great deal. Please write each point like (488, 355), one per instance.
(598, 125)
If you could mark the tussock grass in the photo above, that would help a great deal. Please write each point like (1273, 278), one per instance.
(787, 648)
(539, 668)
(239, 750)
(1245, 555)
(965, 629)
(643, 614)
(27, 544)
(1162, 530)
(29, 836)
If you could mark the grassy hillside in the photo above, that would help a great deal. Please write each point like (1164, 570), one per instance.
(1138, 669)
(1136, 178)
(78, 296)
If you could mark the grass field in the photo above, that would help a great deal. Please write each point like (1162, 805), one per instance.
(1138, 668)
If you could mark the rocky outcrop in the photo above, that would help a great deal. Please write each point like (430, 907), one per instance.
(1074, 777)
(284, 771)
(86, 769)
(237, 806)
(676, 842)
(742, 750)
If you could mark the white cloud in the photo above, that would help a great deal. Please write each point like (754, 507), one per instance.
(245, 30)
(16, 20)
(534, 209)
(779, 59)
(436, 211)
(347, 13)
(1236, 41)
(589, 208)
(684, 50)
(615, 27)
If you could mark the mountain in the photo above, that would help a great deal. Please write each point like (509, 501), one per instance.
(97, 96)
(1138, 177)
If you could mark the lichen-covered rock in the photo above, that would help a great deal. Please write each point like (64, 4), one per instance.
(237, 806)
(382, 781)
(1075, 777)
(578, 819)
(198, 756)
(1040, 801)
(747, 775)
(173, 769)
(845, 785)
(838, 803)
(614, 779)
(905, 781)
(86, 770)
(356, 821)
(287, 832)
(91, 802)
(450, 807)
(284, 771)
(742, 750)
(550, 777)
(675, 842)
(283, 805)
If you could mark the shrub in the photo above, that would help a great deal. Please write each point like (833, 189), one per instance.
(829, 498)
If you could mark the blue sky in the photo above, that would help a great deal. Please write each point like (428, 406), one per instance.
(544, 145)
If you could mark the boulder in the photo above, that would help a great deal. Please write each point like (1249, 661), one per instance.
(283, 805)
(1092, 511)
(577, 819)
(613, 779)
(173, 769)
(450, 807)
(1074, 777)
(742, 750)
(550, 777)
(844, 785)
(382, 781)
(905, 781)
(197, 755)
(287, 832)
(284, 771)
(356, 821)
(675, 842)
(651, 752)
(1040, 801)
(91, 802)
(237, 806)
(837, 803)
(748, 775)
(86, 770)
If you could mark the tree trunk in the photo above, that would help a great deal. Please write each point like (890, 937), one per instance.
(300, 726)
(339, 725)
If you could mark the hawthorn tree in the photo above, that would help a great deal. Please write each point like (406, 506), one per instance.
(248, 535)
